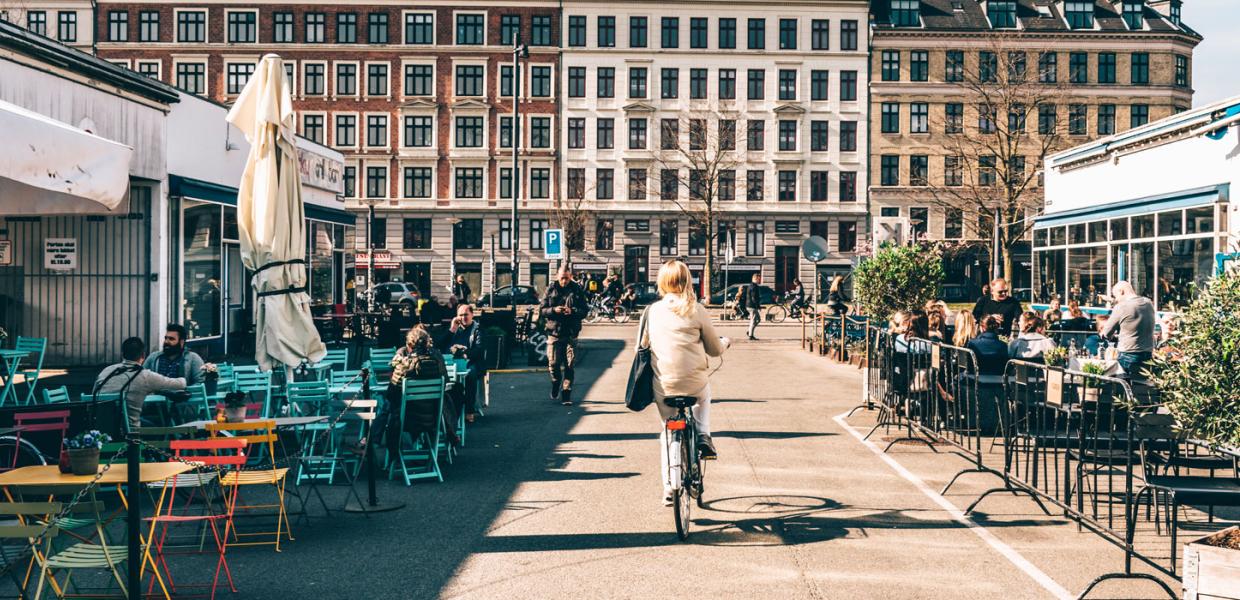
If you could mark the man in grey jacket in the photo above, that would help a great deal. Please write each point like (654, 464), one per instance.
(1132, 317)
(134, 382)
(176, 360)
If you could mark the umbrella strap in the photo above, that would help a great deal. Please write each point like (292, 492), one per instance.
(288, 290)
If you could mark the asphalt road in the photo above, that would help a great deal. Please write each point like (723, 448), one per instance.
(555, 502)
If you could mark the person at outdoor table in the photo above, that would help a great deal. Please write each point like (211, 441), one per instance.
(417, 360)
(937, 329)
(1000, 303)
(134, 382)
(1132, 318)
(966, 329)
(914, 333)
(1077, 320)
(461, 290)
(1055, 311)
(175, 360)
(992, 359)
(465, 341)
(1031, 342)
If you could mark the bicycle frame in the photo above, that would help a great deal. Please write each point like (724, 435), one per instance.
(678, 426)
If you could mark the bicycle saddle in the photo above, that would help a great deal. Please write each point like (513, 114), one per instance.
(680, 401)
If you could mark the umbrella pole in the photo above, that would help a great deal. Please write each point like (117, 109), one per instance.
(373, 504)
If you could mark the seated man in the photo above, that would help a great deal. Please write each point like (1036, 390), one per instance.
(133, 382)
(465, 341)
(176, 360)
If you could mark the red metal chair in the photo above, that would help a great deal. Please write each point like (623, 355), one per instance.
(216, 453)
(34, 422)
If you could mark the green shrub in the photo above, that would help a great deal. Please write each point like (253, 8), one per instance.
(1199, 375)
(898, 278)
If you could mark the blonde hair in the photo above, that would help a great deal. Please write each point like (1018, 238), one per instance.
(966, 328)
(676, 284)
(835, 283)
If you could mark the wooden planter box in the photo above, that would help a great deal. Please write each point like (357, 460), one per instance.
(1211, 572)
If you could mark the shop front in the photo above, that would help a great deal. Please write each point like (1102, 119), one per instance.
(1151, 207)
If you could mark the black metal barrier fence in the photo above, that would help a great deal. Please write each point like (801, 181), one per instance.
(1062, 437)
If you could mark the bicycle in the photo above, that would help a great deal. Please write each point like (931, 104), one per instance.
(601, 308)
(684, 462)
(776, 313)
(16, 453)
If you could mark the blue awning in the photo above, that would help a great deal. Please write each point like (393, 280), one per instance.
(1140, 206)
(330, 215)
(188, 187)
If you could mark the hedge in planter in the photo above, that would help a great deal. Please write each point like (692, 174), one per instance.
(898, 278)
(1199, 377)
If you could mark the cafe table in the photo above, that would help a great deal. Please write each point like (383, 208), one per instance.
(12, 361)
(1110, 368)
(117, 475)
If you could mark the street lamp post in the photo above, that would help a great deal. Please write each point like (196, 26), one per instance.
(519, 51)
(370, 256)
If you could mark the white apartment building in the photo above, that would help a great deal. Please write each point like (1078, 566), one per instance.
(784, 85)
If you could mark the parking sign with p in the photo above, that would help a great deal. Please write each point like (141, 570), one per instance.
(553, 243)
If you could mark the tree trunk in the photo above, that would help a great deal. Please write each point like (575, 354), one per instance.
(709, 263)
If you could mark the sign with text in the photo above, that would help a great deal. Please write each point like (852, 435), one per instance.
(553, 243)
(6, 253)
(60, 254)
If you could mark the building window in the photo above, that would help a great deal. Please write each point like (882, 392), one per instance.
(987, 67)
(697, 84)
(576, 133)
(505, 131)
(419, 80)
(670, 84)
(727, 84)
(242, 27)
(577, 31)
(346, 79)
(818, 185)
(1048, 121)
(469, 132)
(376, 182)
(1017, 116)
(727, 134)
(469, 80)
(669, 184)
(669, 236)
(890, 117)
(918, 170)
(818, 136)
(986, 119)
(1078, 67)
(576, 184)
(377, 28)
(191, 26)
(1078, 117)
(314, 82)
(1080, 13)
(787, 34)
(1106, 67)
(954, 67)
(312, 128)
(755, 238)
(1181, 71)
(540, 30)
(906, 13)
(604, 234)
(540, 132)
(757, 34)
(919, 220)
(350, 181)
(755, 135)
(919, 65)
(819, 84)
(36, 22)
(755, 186)
(848, 86)
(953, 117)
(509, 29)
(889, 174)
(756, 84)
(727, 185)
(697, 134)
(316, 28)
(346, 28)
(846, 236)
(606, 32)
(468, 182)
(637, 226)
(727, 33)
(919, 117)
(1016, 67)
(637, 185)
(378, 232)
(787, 184)
(1106, 119)
(467, 233)
(469, 28)
(237, 76)
(605, 134)
(848, 186)
(848, 35)
(1133, 16)
(787, 136)
(637, 134)
(505, 188)
(540, 186)
(118, 26)
(820, 34)
(669, 31)
(377, 80)
(376, 131)
(953, 171)
(787, 84)
(637, 32)
(1140, 67)
(192, 77)
(848, 136)
(891, 65)
(417, 232)
(698, 28)
(282, 27)
(346, 131)
(606, 82)
(540, 81)
(419, 132)
(1002, 13)
(419, 28)
(1139, 115)
(986, 170)
(1048, 67)
(637, 82)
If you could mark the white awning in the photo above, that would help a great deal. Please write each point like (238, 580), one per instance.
(48, 167)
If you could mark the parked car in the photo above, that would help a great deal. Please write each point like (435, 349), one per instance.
(768, 295)
(503, 297)
(396, 292)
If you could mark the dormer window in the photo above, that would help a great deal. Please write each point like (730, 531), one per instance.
(1002, 13)
(1080, 13)
(906, 13)
(1134, 14)
(1175, 12)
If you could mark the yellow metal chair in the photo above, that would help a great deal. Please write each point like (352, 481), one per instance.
(257, 434)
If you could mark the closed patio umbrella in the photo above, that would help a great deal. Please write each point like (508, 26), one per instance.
(271, 219)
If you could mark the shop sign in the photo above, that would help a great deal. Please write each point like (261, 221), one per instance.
(60, 254)
(320, 171)
(6, 253)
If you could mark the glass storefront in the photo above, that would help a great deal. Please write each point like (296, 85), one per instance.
(201, 268)
(1166, 256)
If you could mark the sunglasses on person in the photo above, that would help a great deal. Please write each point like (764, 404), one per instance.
(1001, 292)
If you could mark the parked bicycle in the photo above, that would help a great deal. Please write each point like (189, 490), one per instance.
(606, 308)
(788, 306)
(684, 461)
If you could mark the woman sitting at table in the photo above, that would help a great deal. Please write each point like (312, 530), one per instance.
(1031, 342)
(418, 359)
(992, 359)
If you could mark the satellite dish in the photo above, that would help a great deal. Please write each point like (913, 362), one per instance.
(814, 249)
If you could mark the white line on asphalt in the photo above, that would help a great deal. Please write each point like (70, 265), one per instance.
(1010, 554)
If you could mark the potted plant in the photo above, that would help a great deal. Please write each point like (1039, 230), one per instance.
(1055, 357)
(234, 407)
(210, 378)
(1210, 564)
(83, 451)
(1095, 369)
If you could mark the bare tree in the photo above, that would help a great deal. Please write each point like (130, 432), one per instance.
(572, 214)
(993, 166)
(698, 175)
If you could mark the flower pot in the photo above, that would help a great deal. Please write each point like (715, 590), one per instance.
(1090, 394)
(1210, 570)
(83, 461)
(234, 415)
(211, 384)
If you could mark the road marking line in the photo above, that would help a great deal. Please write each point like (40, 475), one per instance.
(1007, 551)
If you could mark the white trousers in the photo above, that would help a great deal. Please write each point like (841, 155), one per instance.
(701, 414)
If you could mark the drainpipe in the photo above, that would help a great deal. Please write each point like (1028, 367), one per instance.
(94, 27)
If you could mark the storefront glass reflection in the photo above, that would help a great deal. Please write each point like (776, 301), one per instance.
(201, 249)
(1183, 267)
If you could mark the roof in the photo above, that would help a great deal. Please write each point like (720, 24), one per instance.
(24, 42)
(970, 15)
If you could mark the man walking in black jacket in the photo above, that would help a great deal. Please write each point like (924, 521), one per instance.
(562, 309)
(753, 302)
(1001, 303)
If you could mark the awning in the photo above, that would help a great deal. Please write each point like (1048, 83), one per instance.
(188, 187)
(50, 168)
(1139, 206)
(330, 215)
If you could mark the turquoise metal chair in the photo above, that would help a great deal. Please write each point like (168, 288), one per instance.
(198, 399)
(253, 383)
(346, 382)
(33, 363)
(381, 367)
(337, 358)
(321, 441)
(56, 396)
(423, 447)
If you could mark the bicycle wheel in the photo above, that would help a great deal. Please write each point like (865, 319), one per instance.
(682, 502)
(776, 313)
(622, 315)
(592, 316)
(13, 455)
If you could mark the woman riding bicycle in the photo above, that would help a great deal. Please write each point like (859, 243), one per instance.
(681, 336)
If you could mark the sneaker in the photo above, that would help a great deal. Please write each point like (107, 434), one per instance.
(706, 447)
(667, 498)
(566, 398)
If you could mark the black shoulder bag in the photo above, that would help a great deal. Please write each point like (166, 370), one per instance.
(640, 391)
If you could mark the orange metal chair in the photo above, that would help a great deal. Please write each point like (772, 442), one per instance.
(261, 435)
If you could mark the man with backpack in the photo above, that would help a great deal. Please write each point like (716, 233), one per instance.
(133, 382)
(562, 309)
